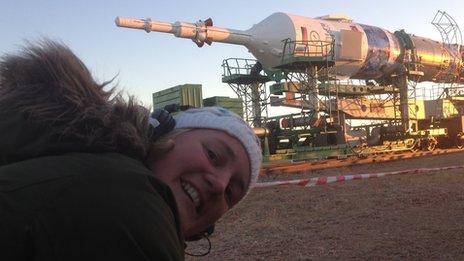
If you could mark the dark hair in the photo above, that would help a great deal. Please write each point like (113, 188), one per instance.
(48, 84)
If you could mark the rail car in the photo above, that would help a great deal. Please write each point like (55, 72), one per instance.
(453, 127)
(327, 141)
(429, 134)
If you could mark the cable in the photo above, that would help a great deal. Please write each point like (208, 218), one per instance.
(202, 254)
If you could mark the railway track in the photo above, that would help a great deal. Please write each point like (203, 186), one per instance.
(297, 167)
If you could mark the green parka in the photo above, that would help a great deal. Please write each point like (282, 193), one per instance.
(73, 183)
(86, 206)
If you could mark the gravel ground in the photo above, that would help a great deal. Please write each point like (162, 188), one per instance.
(406, 217)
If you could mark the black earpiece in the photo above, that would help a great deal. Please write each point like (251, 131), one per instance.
(205, 234)
(161, 122)
(208, 232)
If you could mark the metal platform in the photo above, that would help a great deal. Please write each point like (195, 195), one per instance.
(301, 63)
(244, 79)
(300, 55)
(242, 71)
(342, 90)
(311, 153)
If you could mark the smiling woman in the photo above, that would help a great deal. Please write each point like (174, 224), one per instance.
(85, 175)
(210, 167)
(206, 179)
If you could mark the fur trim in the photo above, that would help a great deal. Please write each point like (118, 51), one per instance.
(52, 87)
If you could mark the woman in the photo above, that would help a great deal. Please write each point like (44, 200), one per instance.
(81, 177)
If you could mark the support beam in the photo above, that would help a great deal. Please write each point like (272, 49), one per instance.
(404, 106)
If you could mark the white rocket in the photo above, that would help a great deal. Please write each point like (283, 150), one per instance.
(360, 51)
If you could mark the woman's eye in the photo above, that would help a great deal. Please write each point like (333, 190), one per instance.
(211, 155)
(215, 156)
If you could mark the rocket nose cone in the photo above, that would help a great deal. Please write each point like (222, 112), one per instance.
(117, 21)
(124, 21)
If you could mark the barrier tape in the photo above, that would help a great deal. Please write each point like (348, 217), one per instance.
(311, 182)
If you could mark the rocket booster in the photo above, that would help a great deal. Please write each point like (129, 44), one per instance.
(360, 51)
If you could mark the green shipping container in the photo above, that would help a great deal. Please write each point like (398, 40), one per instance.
(232, 104)
(183, 95)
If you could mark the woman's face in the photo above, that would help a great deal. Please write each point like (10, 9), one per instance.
(208, 172)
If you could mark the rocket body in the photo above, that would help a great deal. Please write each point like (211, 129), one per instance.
(360, 51)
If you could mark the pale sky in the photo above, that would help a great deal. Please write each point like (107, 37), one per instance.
(146, 63)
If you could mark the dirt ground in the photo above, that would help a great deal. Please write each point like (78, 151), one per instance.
(406, 217)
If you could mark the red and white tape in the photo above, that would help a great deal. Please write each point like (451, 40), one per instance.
(332, 179)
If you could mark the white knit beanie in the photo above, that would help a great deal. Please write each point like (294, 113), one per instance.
(221, 119)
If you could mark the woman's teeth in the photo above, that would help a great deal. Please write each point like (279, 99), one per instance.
(192, 192)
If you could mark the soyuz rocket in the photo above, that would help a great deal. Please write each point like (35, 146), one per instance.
(360, 51)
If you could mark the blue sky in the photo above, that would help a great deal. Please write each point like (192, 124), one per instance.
(146, 63)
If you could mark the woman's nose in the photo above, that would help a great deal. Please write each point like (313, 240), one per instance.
(218, 181)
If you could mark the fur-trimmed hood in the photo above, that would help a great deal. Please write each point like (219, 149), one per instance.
(50, 104)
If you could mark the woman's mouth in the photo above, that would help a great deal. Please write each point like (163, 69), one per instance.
(192, 193)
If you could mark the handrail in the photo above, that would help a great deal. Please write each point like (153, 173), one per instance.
(238, 66)
(313, 48)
